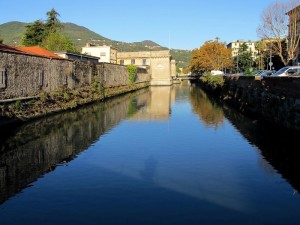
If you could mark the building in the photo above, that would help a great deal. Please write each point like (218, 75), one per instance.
(159, 63)
(294, 31)
(27, 71)
(105, 53)
(80, 57)
(235, 46)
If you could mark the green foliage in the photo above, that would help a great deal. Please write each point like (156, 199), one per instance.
(214, 81)
(132, 109)
(17, 105)
(244, 59)
(58, 42)
(182, 57)
(132, 70)
(44, 96)
(35, 34)
(12, 33)
(39, 32)
(53, 24)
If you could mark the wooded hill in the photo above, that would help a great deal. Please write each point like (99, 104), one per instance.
(12, 33)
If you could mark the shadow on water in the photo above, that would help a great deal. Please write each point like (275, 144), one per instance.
(279, 148)
(35, 148)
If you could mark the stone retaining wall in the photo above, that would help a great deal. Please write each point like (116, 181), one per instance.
(276, 100)
(24, 75)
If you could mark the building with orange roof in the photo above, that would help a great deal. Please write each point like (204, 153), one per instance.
(38, 51)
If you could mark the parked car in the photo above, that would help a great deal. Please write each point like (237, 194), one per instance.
(257, 72)
(217, 72)
(287, 71)
(266, 73)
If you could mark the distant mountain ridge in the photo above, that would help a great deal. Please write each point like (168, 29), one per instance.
(12, 32)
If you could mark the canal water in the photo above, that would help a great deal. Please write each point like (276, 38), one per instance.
(163, 155)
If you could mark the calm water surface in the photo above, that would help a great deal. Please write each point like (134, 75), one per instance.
(164, 155)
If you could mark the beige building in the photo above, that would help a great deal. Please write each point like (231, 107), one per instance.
(159, 63)
(235, 46)
(294, 29)
(105, 53)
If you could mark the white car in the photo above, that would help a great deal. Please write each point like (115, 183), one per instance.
(287, 71)
(217, 72)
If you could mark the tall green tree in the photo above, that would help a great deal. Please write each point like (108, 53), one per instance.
(34, 34)
(244, 59)
(47, 34)
(53, 24)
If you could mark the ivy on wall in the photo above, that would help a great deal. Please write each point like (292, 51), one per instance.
(132, 70)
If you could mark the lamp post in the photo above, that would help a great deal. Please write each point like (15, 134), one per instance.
(270, 63)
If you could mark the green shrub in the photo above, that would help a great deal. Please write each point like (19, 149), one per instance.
(132, 70)
(214, 81)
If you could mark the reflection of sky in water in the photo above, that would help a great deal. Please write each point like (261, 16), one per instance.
(200, 171)
(184, 155)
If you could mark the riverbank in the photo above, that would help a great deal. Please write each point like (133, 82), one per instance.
(276, 100)
(47, 104)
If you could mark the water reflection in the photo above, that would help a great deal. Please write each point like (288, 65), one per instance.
(208, 110)
(278, 148)
(158, 106)
(29, 151)
(175, 160)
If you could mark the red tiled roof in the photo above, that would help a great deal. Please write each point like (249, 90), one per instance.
(6, 48)
(36, 50)
(33, 50)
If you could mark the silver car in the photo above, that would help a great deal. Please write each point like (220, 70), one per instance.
(287, 71)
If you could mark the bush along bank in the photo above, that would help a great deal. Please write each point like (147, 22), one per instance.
(276, 100)
(60, 100)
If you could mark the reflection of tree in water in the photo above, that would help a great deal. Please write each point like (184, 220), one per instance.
(210, 113)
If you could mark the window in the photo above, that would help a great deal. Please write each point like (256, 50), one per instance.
(121, 62)
(132, 61)
(102, 53)
(2, 78)
(41, 78)
(144, 62)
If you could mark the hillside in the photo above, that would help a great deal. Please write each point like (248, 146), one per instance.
(12, 32)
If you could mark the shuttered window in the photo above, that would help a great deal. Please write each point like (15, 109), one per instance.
(2, 78)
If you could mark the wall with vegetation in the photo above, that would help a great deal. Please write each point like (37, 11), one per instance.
(276, 100)
(27, 76)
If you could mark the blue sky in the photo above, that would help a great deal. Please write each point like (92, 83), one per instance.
(179, 24)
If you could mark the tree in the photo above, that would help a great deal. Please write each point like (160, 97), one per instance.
(279, 25)
(244, 58)
(261, 55)
(34, 34)
(52, 23)
(58, 42)
(212, 55)
(47, 34)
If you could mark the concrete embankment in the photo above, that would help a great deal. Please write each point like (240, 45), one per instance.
(276, 100)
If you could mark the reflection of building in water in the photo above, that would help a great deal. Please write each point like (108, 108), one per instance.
(158, 107)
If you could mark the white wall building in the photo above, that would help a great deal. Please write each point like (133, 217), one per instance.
(236, 45)
(105, 53)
